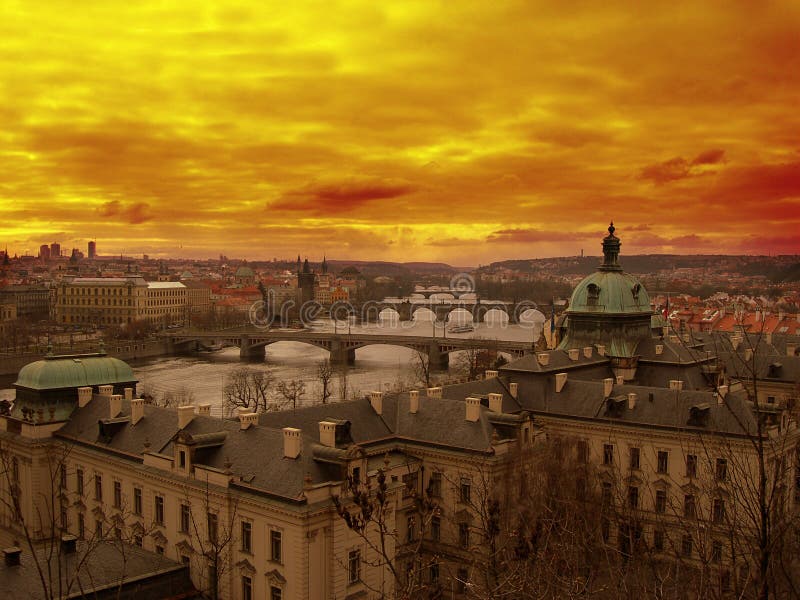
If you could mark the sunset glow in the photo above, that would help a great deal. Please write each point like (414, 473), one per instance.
(460, 132)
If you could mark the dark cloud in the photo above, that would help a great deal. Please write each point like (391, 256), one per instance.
(680, 168)
(531, 236)
(341, 196)
(709, 157)
(133, 214)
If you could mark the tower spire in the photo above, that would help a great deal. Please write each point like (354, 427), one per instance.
(611, 246)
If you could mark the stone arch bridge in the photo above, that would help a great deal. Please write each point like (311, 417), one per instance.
(342, 347)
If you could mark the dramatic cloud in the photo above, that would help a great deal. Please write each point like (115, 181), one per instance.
(401, 131)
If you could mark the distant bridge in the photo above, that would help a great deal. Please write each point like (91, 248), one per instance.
(252, 343)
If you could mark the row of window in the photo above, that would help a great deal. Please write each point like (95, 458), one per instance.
(629, 537)
(185, 521)
(436, 530)
(662, 462)
(275, 593)
(660, 505)
(434, 488)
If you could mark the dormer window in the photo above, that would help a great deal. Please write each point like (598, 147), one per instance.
(593, 294)
(635, 291)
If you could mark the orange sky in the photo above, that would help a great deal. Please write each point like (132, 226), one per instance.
(455, 131)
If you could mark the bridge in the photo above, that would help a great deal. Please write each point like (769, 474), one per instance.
(342, 347)
(406, 307)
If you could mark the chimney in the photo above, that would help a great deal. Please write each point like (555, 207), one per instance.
(435, 392)
(137, 410)
(791, 349)
(291, 442)
(12, 556)
(561, 380)
(68, 544)
(496, 403)
(490, 373)
(473, 409)
(84, 396)
(574, 353)
(185, 415)
(665, 330)
(413, 402)
(513, 389)
(676, 384)
(204, 409)
(632, 400)
(587, 352)
(608, 386)
(327, 434)
(114, 406)
(543, 358)
(601, 350)
(748, 354)
(768, 337)
(620, 380)
(246, 420)
(719, 398)
(735, 341)
(659, 349)
(105, 390)
(128, 394)
(674, 339)
(723, 390)
(687, 338)
(376, 400)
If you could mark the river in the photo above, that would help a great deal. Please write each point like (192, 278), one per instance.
(201, 377)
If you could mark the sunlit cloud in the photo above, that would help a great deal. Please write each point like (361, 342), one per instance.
(401, 131)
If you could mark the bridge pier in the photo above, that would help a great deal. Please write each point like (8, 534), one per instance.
(438, 360)
(251, 352)
(343, 356)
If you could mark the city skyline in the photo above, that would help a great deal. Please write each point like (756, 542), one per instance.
(407, 132)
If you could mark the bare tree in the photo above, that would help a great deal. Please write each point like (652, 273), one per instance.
(421, 368)
(248, 389)
(292, 391)
(180, 396)
(325, 376)
(342, 376)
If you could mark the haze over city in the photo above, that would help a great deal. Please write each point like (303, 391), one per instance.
(410, 131)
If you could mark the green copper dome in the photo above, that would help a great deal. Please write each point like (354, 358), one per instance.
(610, 292)
(63, 372)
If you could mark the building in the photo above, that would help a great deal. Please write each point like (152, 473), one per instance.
(32, 301)
(55, 250)
(44, 252)
(92, 249)
(198, 297)
(8, 314)
(107, 301)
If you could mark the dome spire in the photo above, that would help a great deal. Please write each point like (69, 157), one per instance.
(611, 246)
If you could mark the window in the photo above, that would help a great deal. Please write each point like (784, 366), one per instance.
(608, 454)
(356, 476)
(686, 545)
(275, 593)
(606, 494)
(718, 510)
(435, 485)
(182, 460)
(63, 472)
(721, 469)
(583, 451)
(247, 536)
(160, 550)
(691, 465)
(81, 526)
(411, 529)
(605, 528)
(663, 461)
(661, 501)
(63, 517)
(98, 529)
(79, 481)
(462, 576)
(689, 506)
(436, 528)
(211, 527)
(658, 540)
(137, 540)
(463, 535)
(634, 453)
(354, 566)
(465, 491)
(98, 488)
(275, 550)
(137, 501)
(247, 588)
(410, 484)
(185, 518)
(633, 496)
(159, 510)
(117, 494)
(716, 551)
(434, 572)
